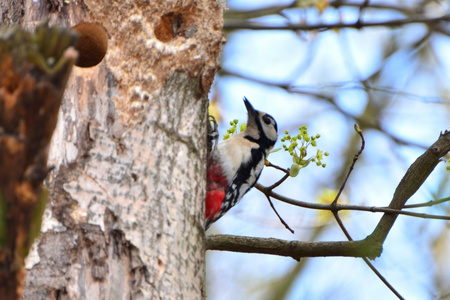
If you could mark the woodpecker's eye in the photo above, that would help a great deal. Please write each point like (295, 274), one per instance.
(267, 119)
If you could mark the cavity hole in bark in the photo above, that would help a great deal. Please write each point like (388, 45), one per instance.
(168, 27)
(92, 44)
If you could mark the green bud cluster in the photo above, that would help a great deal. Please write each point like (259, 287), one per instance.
(233, 129)
(448, 167)
(297, 146)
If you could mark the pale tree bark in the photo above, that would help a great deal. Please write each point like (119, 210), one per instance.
(124, 219)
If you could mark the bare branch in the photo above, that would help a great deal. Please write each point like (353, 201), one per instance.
(294, 249)
(256, 13)
(278, 9)
(233, 25)
(410, 183)
(379, 6)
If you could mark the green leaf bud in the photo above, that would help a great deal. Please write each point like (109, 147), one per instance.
(295, 169)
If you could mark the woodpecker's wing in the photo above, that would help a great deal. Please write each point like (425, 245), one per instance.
(243, 181)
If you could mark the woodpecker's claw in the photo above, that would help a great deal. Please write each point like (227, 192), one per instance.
(213, 132)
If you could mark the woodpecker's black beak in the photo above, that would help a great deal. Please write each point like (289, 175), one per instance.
(252, 119)
(251, 111)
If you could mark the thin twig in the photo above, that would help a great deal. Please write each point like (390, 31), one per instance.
(276, 184)
(341, 225)
(378, 6)
(361, 10)
(270, 188)
(355, 159)
(339, 207)
(277, 9)
(428, 204)
(384, 280)
(366, 260)
(396, 211)
(279, 217)
(286, 171)
(233, 25)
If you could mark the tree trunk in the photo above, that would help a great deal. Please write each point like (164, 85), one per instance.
(125, 211)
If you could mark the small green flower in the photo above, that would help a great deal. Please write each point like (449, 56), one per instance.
(233, 129)
(297, 146)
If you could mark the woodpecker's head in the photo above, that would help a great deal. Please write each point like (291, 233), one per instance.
(261, 127)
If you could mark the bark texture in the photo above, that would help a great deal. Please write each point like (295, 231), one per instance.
(125, 210)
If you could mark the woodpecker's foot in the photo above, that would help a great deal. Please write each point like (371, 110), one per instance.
(213, 132)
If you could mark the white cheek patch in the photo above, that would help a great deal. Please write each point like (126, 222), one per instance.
(270, 132)
(269, 129)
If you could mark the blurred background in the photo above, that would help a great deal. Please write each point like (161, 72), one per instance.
(393, 81)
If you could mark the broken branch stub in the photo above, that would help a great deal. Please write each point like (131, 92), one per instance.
(34, 69)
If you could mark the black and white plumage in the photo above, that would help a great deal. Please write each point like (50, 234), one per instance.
(236, 163)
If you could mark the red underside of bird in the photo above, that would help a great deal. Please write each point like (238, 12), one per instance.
(215, 193)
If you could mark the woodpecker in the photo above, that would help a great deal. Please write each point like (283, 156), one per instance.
(235, 164)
